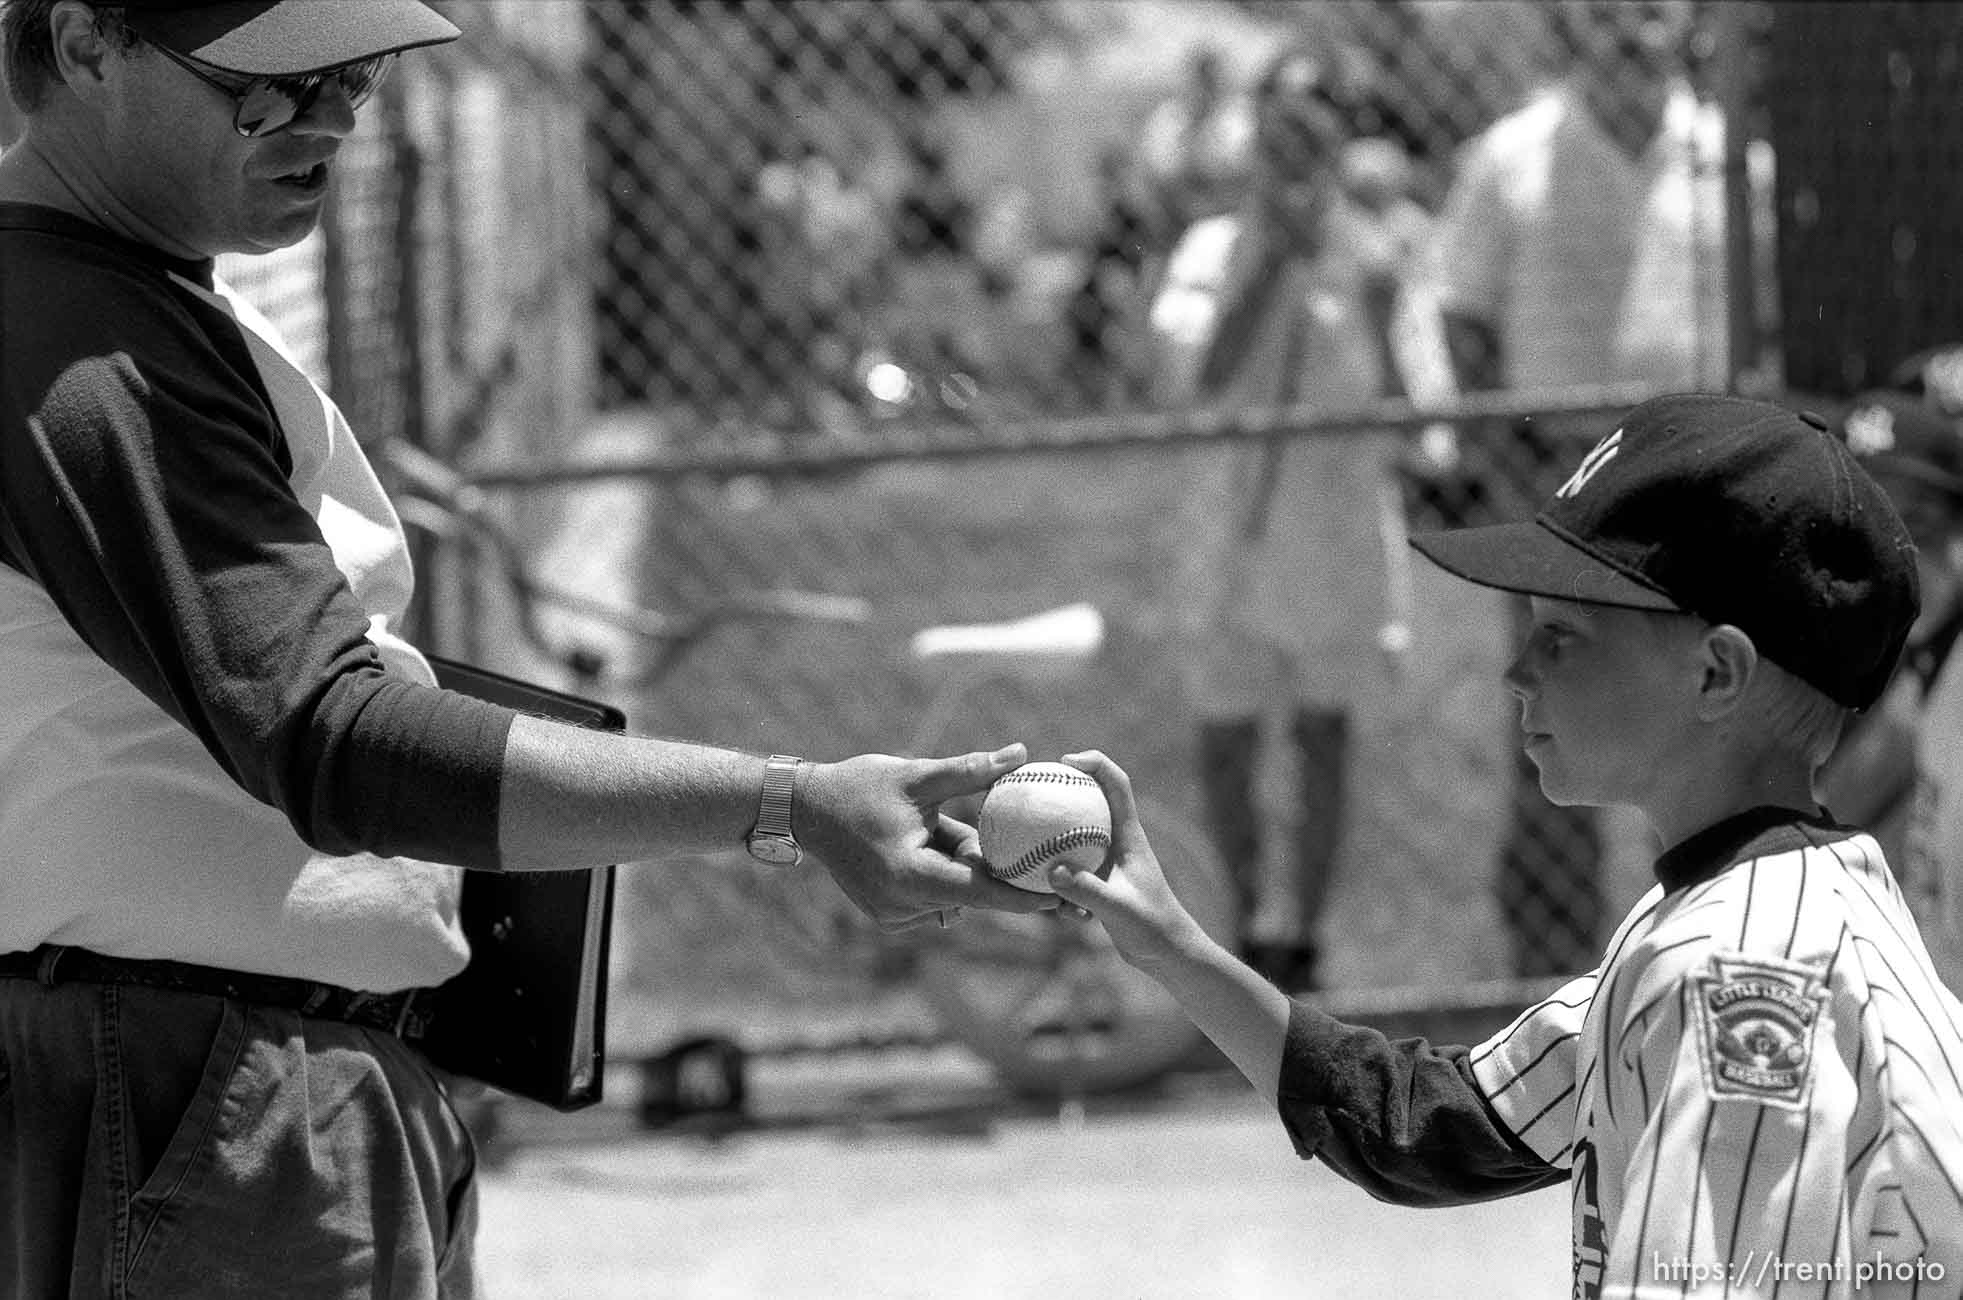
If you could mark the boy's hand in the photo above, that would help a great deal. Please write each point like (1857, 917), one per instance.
(1129, 895)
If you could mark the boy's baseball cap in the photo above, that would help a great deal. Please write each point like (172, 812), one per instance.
(1738, 511)
(286, 38)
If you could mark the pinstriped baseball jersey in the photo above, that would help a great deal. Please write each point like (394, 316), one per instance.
(1760, 1090)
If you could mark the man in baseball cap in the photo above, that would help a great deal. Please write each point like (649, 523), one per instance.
(196, 128)
(235, 803)
(202, 1099)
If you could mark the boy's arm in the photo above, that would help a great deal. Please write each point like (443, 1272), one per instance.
(1405, 1121)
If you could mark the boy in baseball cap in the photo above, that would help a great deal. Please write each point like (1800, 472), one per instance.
(1765, 1056)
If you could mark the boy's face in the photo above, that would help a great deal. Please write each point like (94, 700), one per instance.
(1606, 695)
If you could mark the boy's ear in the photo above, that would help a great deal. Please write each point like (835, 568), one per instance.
(1727, 662)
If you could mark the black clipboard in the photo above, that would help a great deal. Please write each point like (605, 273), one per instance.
(528, 1015)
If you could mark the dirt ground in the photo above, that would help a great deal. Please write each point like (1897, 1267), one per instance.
(881, 1186)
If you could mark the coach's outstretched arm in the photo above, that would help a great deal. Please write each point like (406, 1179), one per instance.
(1403, 1120)
(570, 796)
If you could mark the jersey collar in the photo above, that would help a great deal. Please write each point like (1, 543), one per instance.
(1757, 832)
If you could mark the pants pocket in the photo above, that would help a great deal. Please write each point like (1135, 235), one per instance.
(170, 1107)
(309, 1163)
(167, 1050)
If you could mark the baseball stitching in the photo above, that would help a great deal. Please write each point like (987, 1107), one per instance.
(1075, 837)
(1022, 777)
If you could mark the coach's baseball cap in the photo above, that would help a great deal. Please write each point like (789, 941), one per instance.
(285, 38)
(1738, 511)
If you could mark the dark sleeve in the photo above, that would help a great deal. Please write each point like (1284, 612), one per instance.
(1403, 1120)
(151, 501)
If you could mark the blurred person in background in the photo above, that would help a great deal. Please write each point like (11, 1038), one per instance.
(1582, 243)
(1393, 234)
(1120, 262)
(936, 326)
(827, 233)
(1195, 145)
(234, 802)
(1264, 307)
(1899, 766)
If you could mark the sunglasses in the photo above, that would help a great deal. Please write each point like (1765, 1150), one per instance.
(269, 104)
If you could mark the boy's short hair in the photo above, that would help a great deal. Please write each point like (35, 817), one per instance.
(1794, 717)
(1738, 511)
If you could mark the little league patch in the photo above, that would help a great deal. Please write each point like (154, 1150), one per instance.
(1758, 1019)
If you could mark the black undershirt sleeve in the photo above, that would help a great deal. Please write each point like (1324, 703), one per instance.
(1401, 1119)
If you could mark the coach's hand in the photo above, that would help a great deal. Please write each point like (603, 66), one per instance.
(876, 824)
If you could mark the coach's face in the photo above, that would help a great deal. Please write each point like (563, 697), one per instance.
(188, 182)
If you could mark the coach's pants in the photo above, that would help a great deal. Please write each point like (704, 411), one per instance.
(165, 1144)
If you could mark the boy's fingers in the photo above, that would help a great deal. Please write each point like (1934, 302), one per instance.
(1117, 791)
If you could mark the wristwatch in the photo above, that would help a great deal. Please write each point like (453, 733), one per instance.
(771, 839)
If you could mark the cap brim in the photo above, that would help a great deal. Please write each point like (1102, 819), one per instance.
(1533, 560)
(286, 38)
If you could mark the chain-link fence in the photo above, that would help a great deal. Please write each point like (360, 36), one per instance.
(973, 308)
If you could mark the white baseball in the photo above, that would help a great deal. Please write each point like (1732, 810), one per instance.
(1041, 814)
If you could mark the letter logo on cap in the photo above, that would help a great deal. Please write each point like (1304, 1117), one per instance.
(1591, 464)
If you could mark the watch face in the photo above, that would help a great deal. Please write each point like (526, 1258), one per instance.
(775, 850)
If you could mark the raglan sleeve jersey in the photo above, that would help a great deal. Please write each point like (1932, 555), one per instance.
(147, 497)
(1759, 1093)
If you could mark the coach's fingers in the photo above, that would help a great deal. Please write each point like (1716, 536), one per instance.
(958, 840)
(946, 778)
(960, 873)
(1082, 890)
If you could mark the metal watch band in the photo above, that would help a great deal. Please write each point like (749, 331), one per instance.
(779, 790)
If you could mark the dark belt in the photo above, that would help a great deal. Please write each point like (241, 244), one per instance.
(406, 1014)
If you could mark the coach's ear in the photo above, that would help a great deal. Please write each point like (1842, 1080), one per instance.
(1727, 661)
(82, 56)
